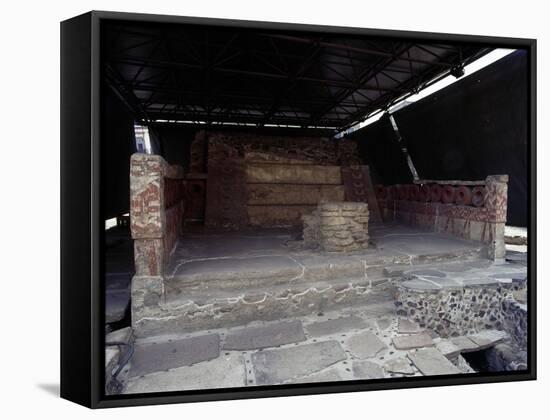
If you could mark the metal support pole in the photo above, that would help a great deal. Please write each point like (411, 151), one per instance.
(404, 148)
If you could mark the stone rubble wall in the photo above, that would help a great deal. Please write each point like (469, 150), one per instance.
(515, 321)
(466, 310)
(337, 227)
(156, 211)
(471, 210)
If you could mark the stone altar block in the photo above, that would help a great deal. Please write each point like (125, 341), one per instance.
(337, 227)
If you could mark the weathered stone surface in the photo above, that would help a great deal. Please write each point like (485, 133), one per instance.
(488, 338)
(383, 323)
(464, 344)
(270, 335)
(430, 361)
(124, 335)
(412, 341)
(338, 227)
(279, 194)
(156, 212)
(277, 215)
(405, 326)
(426, 272)
(328, 281)
(365, 345)
(328, 375)
(400, 365)
(292, 174)
(364, 369)
(149, 257)
(112, 355)
(225, 190)
(333, 326)
(149, 358)
(280, 365)
(448, 349)
(224, 372)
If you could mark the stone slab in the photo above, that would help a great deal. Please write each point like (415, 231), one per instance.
(383, 323)
(413, 341)
(520, 296)
(365, 345)
(364, 369)
(224, 372)
(396, 270)
(328, 375)
(111, 357)
(401, 365)
(123, 335)
(430, 362)
(421, 285)
(448, 349)
(155, 357)
(464, 344)
(334, 326)
(426, 273)
(488, 338)
(405, 326)
(280, 365)
(270, 335)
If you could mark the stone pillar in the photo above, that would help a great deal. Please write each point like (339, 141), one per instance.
(148, 221)
(496, 203)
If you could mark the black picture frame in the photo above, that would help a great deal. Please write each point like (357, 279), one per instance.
(82, 301)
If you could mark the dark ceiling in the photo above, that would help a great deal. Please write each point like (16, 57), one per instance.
(264, 77)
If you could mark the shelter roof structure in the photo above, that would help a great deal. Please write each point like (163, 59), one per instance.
(268, 78)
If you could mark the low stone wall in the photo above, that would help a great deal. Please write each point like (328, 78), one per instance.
(515, 321)
(337, 227)
(156, 211)
(472, 210)
(454, 311)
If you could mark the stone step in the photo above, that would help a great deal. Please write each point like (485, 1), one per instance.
(216, 292)
(178, 293)
(243, 273)
(183, 310)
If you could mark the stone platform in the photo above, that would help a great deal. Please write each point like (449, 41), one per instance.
(374, 338)
(366, 343)
(222, 279)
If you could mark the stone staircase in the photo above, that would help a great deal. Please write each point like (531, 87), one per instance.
(201, 293)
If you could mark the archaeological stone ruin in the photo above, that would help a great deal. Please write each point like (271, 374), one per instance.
(270, 248)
